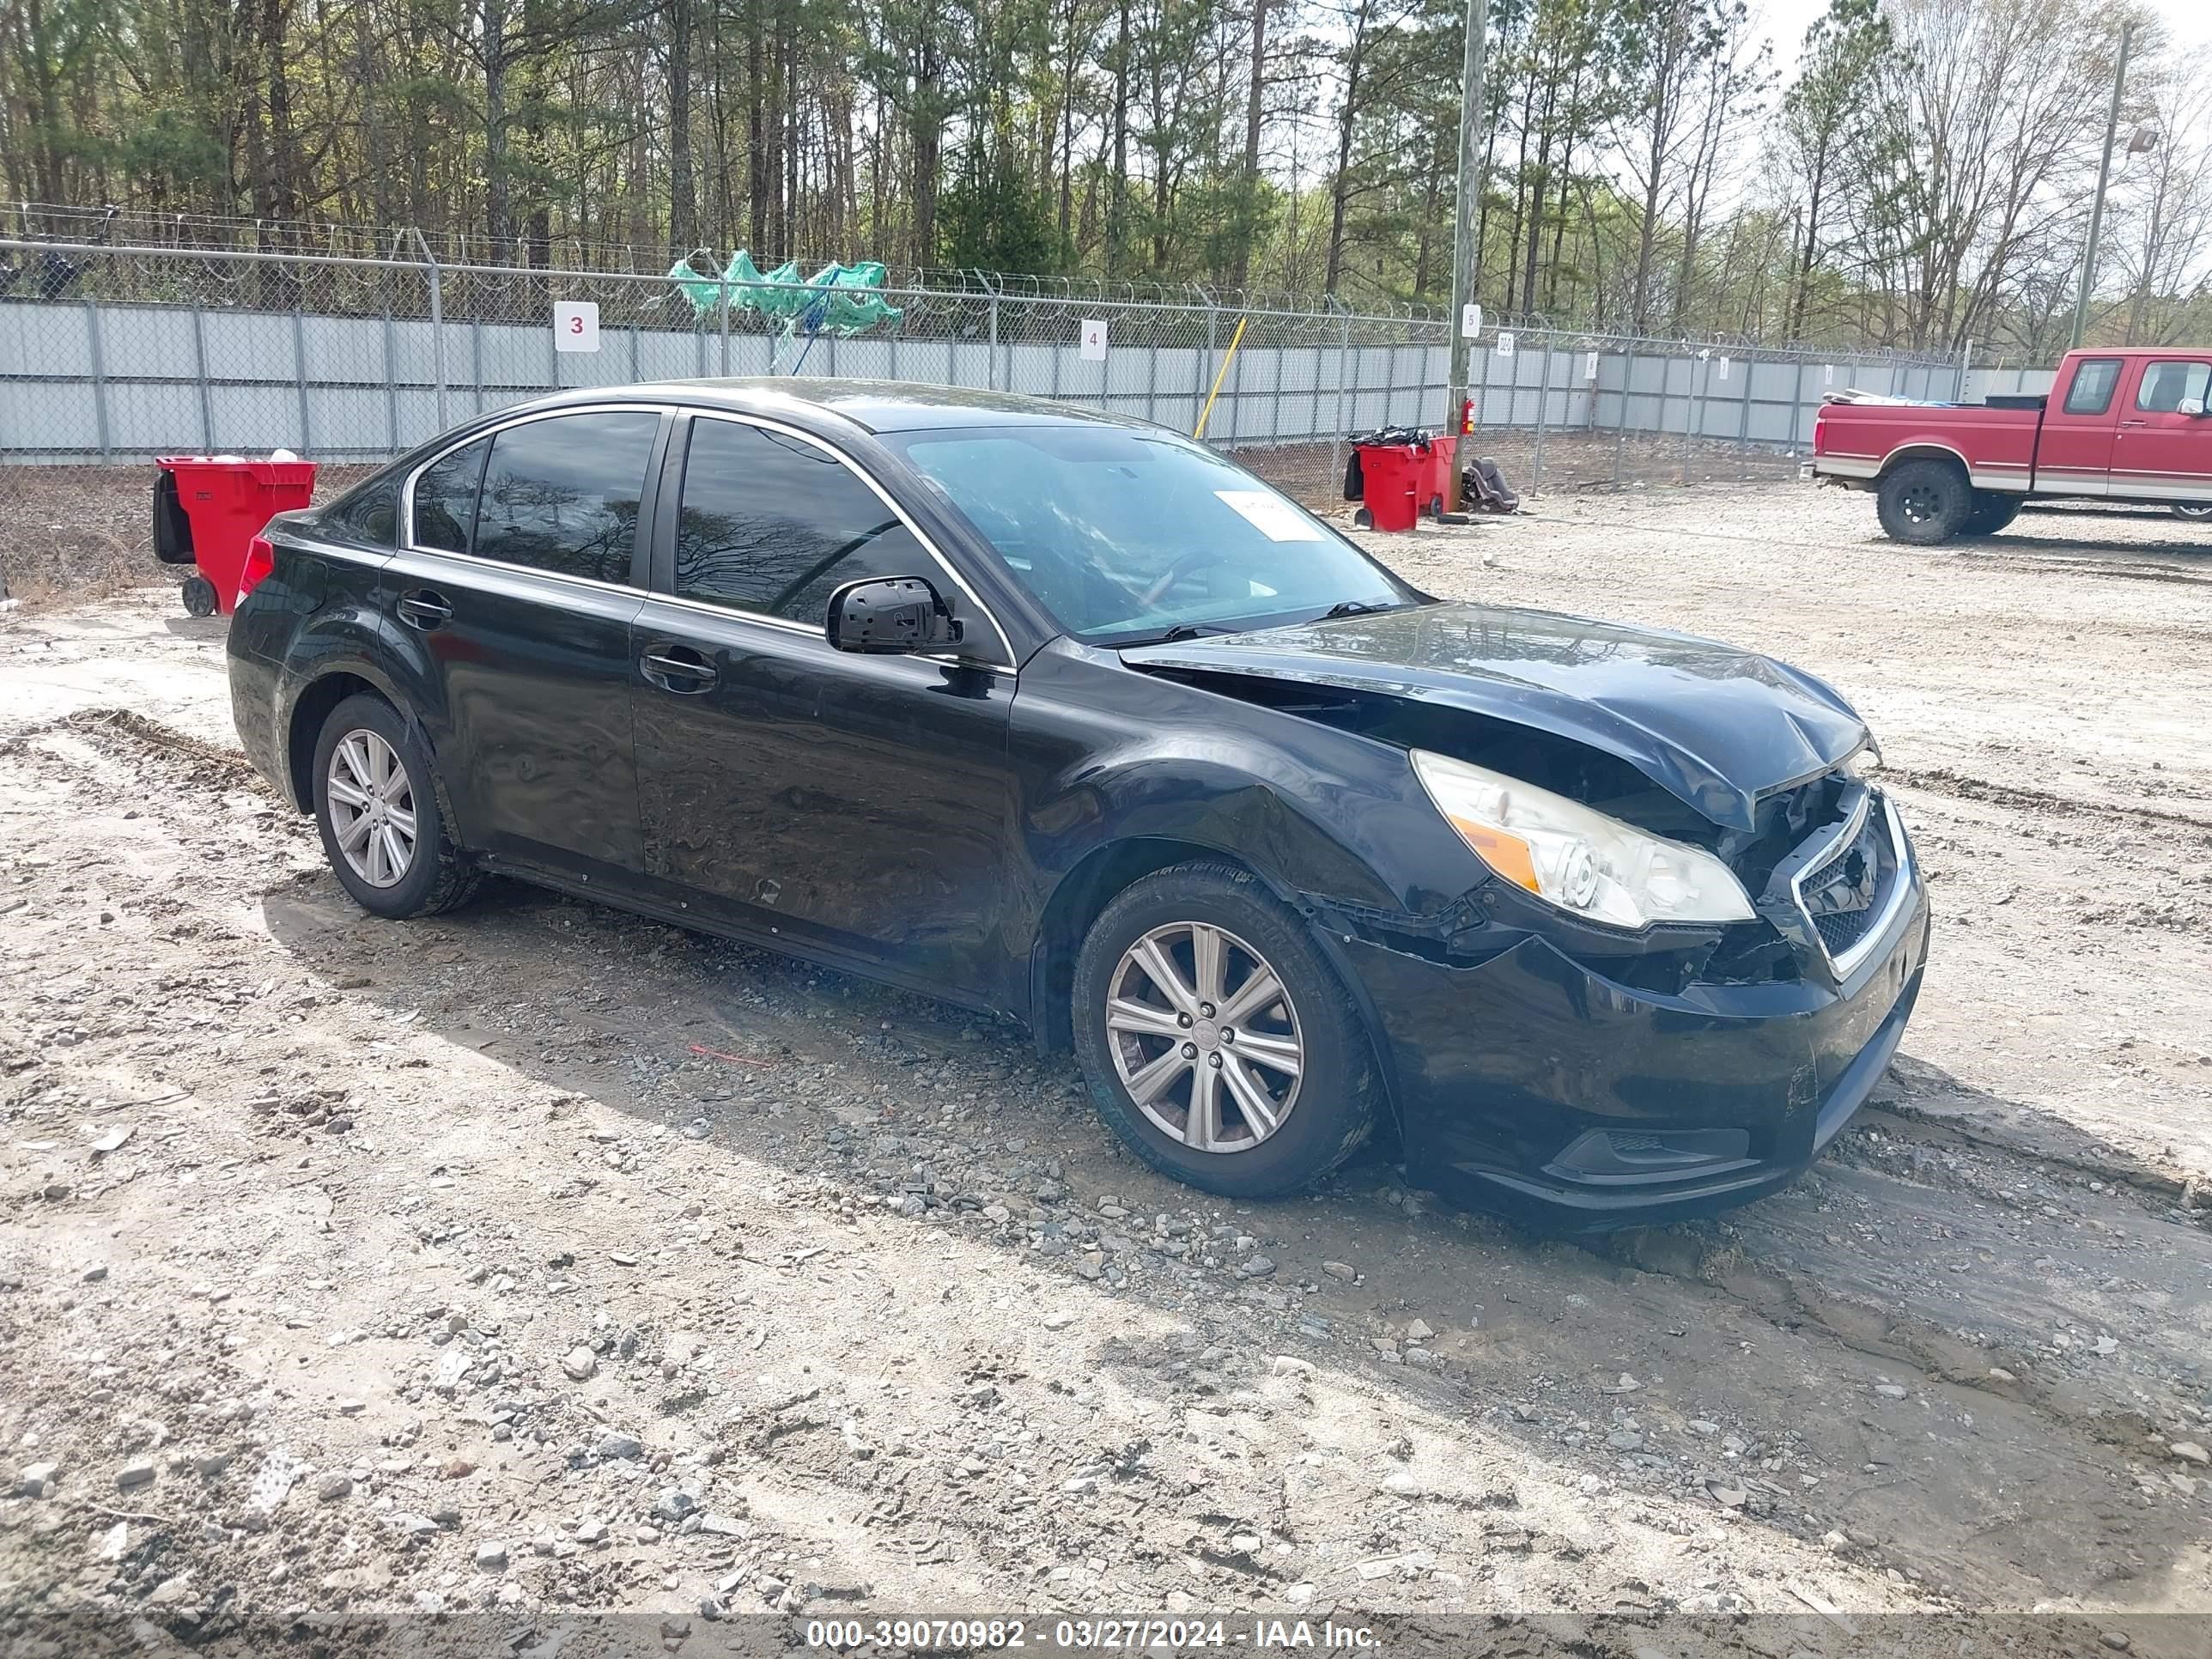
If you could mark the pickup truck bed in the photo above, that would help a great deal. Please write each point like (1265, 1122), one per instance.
(2119, 425)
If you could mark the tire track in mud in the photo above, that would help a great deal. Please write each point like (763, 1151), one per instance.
(1962, 786)
(1779, 1261)
(2076, 565)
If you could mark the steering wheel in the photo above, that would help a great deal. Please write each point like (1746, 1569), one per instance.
(1175, 572)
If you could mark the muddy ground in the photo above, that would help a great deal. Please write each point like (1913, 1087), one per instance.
(535, 1263)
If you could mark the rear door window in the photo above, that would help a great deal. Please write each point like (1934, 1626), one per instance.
(561, 494)
(773, 523)
(446, 499)
(2092, 390)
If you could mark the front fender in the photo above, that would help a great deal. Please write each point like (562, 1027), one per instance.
(1120, 772)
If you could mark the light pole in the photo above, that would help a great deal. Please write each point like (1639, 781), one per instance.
(2104, 176)
(1463, 248)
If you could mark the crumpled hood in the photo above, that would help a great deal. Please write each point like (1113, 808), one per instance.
(1715, 726)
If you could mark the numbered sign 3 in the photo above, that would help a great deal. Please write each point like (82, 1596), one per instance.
(575, 325)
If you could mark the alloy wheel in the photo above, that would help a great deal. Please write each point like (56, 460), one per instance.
(1205, 1037)
(372, 808)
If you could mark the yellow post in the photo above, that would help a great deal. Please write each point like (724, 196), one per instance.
(1220, 374)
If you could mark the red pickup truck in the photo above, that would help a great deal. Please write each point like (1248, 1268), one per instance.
(2128, 425)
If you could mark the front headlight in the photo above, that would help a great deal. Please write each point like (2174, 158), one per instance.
(1585, 863)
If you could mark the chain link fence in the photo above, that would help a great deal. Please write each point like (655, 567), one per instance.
(111, 355)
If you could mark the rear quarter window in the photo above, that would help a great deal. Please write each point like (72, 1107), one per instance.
(2092, 390)
(446, 499)
(366, 516)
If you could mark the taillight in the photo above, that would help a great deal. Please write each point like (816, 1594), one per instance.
(260, 560)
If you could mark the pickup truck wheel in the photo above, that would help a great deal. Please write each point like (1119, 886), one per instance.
(1925, 502)
(1991, 513)
(2196, 512)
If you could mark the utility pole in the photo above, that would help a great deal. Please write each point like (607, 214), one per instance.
(1463, 248)
(2103, 175)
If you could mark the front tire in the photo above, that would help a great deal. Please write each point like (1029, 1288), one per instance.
(2195, 512)
(377, 806)
(1217, 1041)
(1924, 502)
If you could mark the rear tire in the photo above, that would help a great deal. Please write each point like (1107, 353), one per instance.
(1991, 513)
(2195, 512)
(1924, 502)
(1290, 1085)
(379, 807)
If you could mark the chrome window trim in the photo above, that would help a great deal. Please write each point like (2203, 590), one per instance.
(945, 566)
(523, 417)
(1852, 959)
(732, 613)
(531, 570)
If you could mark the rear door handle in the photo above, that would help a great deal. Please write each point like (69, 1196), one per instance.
(424, 609)
(678, 668)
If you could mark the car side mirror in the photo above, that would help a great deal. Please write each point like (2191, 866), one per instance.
(2193, 406)
(891, 616)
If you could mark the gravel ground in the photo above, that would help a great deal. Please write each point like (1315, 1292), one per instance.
(537, 1264)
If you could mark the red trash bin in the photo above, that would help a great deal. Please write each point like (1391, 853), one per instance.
(1400, 482)
(224, 504)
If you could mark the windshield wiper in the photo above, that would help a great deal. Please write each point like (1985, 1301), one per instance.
(1355, 608)
(1173, 636)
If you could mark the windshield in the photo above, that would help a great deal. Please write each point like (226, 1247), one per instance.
(1126, 536)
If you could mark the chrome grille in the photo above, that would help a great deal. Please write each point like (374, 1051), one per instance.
(1838, 898)
(1851, 881)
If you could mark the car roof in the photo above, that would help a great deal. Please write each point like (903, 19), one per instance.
(872, 405)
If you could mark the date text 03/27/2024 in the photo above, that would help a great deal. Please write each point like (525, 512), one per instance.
(1104, 1635)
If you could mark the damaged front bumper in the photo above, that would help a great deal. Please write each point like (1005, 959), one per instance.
(1531, 1083)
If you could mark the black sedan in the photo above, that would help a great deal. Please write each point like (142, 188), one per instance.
(1068, 718)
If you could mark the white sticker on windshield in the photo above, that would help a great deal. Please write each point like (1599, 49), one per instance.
(1270, 515)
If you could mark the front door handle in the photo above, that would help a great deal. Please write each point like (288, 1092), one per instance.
(678, 668)
(2126, 423)
(425, 609)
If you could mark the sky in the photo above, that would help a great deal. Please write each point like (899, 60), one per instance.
(2189, 21)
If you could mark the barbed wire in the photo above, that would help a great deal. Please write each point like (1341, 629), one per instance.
(149, 232)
